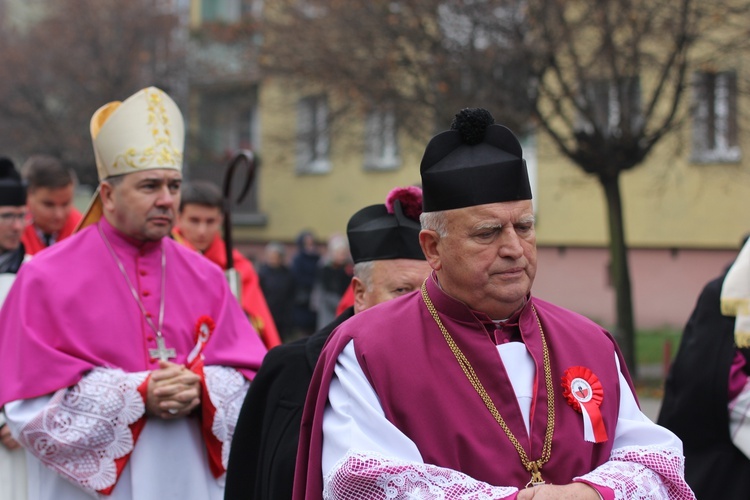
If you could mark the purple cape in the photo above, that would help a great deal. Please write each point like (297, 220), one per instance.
(424, 392)
(71, 310)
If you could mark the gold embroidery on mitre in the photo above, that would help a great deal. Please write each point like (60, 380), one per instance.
(733, 307)
(162, 153)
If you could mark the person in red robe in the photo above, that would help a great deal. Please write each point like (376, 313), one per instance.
(52, 216)
(198, 227)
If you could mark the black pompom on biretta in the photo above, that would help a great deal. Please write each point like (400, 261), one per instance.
(8, 169)
(389, 230)
(12, 189)
(472, 124)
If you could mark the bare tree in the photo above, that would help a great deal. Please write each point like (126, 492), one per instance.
(69, 58)
(606, 80)
(425, 59)
(611, 78)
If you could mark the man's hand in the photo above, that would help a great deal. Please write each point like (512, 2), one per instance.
(173, 391)
(7, 440)
(572, 491)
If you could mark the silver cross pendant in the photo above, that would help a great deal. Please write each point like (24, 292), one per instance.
(161, 351)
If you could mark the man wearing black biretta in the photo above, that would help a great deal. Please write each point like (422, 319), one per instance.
(388, 263)
(472, 387)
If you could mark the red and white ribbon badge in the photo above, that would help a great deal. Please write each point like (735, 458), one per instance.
(203, 330)
(584, 392)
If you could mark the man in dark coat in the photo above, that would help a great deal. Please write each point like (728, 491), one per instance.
(708, 372)
(384, 243)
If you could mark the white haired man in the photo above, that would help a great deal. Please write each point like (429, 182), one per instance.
(454, 391)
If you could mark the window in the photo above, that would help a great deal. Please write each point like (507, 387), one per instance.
(715, 137)
(312, 9)
(226, 10)
(381, 143)
(227, 121)
(313, 142)
(614, 107)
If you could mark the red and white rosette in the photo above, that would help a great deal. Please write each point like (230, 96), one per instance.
(584, 392)
(204, 327)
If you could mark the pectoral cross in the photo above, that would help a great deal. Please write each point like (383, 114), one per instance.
(161, 350)
(536, 477)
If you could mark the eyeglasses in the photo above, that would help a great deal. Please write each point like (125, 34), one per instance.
(9, 218)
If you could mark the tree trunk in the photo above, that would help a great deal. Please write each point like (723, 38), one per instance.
(620, 272)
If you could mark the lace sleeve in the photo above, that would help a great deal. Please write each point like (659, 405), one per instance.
(84, 429)
(643, 472)
(373, 476)
(226, 388)
(646, 460)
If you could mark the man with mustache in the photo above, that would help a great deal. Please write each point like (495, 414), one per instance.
(124, 356)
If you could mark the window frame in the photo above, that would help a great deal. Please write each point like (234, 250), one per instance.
(313, 135)
(715, 127)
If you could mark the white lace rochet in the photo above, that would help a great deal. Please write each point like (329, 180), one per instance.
(644, 472)
(370, 475)
(85, 428)
(226, 388)
(633, 473)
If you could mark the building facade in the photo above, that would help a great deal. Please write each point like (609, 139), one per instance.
(685, 208)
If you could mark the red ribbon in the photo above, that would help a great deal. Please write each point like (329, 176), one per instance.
(204, 327)
(584, 392)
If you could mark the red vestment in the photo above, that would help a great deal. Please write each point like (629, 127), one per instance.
(252, 298)
(33, 244)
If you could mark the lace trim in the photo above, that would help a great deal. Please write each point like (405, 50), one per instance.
(85, 428)
(226, 388)
(648, 472)
(373, 476)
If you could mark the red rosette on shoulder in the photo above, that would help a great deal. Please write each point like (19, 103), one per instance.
(584, 393)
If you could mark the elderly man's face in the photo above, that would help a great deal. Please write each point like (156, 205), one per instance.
(143, 204)
(488, 258)
(390, 278)
(12, 224)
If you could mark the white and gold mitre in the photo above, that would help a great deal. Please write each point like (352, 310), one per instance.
(143, 132)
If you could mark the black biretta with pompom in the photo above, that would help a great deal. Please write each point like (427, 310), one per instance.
(12, 189)
(475, 163)
(388, 231)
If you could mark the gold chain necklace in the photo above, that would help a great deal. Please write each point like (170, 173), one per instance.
(534, 467)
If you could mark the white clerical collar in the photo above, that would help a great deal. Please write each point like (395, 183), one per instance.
(43, 236)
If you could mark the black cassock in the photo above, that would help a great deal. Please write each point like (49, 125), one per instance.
(696, 398)
(264, 446)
